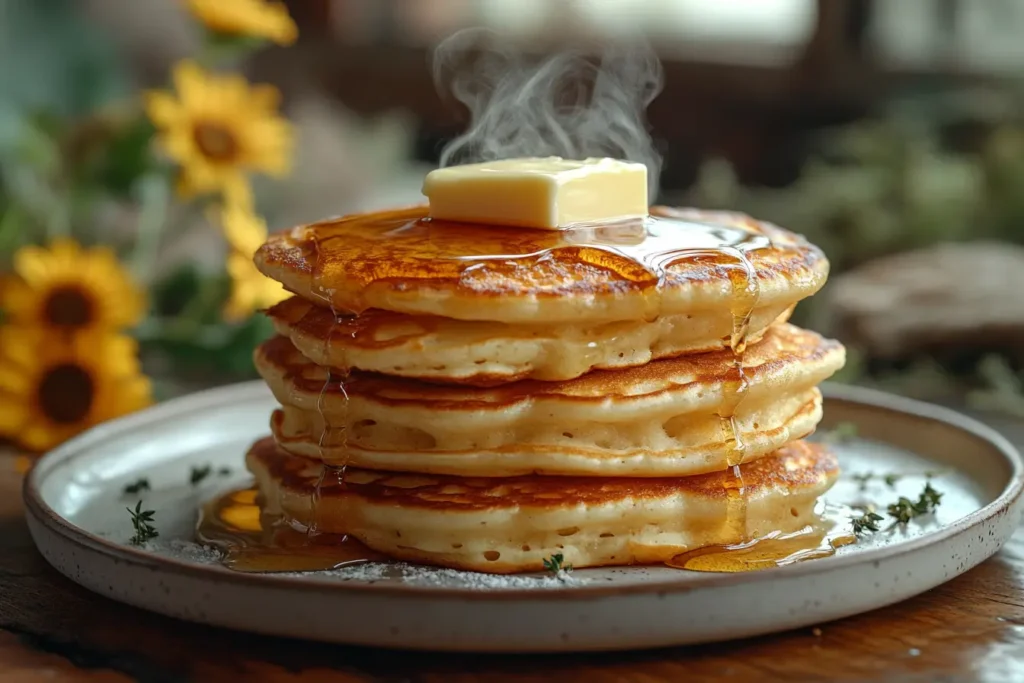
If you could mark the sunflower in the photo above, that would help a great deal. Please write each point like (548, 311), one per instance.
(51, 390)
(247, 17)
(250, 289)
(67, 288)
(219, 128)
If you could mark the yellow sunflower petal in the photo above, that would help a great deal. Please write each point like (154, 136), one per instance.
(250, 289)
(247, 17)
(191, 82)
(219, 128)
(122, 304)
(161, 107)
(64, 287)
(13, 379)
(13, 413)
(21, 346)
(32, 264)
(68, 385)
(17, 300)
(244, 231)
(115, 354)
(38, 435)
(265, 97)
(133, 394)
(239, 194)
(64, 251)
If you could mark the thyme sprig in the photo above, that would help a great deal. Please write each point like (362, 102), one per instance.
(901, 512)
(556, 564)
(868, 521)
(138, 486)
(198, 474)
(142, 522)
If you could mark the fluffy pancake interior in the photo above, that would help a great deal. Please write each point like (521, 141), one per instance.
(655, 420)
(512, 524)
(690, 445)
(482, 353)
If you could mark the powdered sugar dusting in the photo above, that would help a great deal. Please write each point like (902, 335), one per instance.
(373, 572)
(452, 578)
(367, 571)
(186, 551)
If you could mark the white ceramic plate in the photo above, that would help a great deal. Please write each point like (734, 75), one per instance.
(76, 512)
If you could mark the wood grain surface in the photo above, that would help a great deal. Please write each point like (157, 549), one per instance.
(971, 629)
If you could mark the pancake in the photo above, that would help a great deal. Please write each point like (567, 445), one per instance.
(701, 446)
(513, 524)
(705, 264)
(659, 419)
(484, 353)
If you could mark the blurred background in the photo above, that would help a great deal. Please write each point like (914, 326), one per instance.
(890, 133)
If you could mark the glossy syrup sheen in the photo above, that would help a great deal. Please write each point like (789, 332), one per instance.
(256, 542)
(366, 249)
(253, 541)
(831, 529)
(405, 250)
(404, 247)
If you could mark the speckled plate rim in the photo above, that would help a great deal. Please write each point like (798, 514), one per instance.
(213, 398)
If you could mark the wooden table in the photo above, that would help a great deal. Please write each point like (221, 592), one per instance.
(971, 629)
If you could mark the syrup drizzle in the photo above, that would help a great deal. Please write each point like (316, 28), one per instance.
(254, 541)
(746, 293)
(394, 252)
(397, 249)
(639, 251)
(830, 529)
(335, 436)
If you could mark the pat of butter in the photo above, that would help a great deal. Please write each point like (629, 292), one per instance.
(549, 193)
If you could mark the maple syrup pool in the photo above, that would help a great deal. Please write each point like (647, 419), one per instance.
(874, 476)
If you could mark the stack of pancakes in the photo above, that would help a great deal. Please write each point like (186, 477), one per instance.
(485, 398)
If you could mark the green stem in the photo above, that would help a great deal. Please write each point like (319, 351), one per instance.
(155, 194)
(11, 225)
(218, 50)
(177, 330)
(209, 291)
(37, 198)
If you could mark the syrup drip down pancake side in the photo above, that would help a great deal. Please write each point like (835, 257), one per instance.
(660, 419)
(509, 525)
(485, 353)
(676, 261)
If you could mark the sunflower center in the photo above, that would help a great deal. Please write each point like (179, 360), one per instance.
(215, 141)
(66, 393)
(68, 307)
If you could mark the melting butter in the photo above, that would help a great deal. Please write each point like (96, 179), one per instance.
(549, 193)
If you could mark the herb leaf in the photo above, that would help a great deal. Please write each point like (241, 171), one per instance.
(141, 521)
(862, 479)
(904, 509)
(198, 474)
(891, 479)
(555, 564)
(930, 496)
(224, 472)
(138, 486)
(866, 522)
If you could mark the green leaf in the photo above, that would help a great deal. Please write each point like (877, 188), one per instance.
(237, 354)
(172, 294)
(216, 352)
(126, 157)
(221, 47)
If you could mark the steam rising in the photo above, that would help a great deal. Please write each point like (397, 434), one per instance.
(567, 105)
